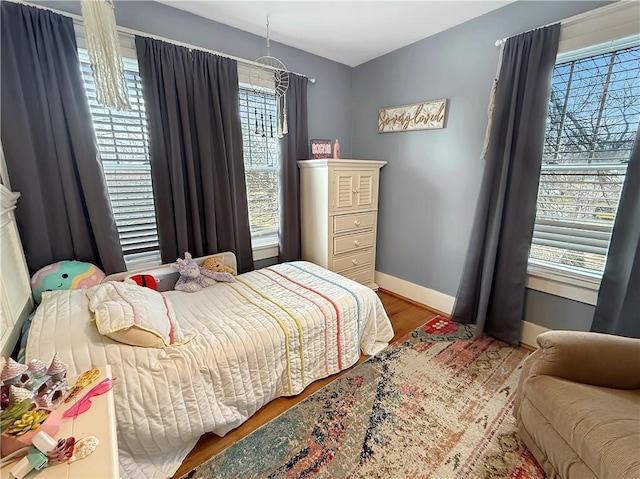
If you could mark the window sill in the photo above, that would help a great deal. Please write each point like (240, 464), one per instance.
(265, 247)
(566, 284)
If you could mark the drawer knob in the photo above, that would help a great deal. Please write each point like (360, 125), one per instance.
(354, 261)
(356, 222)
(356, 242)
(354, 191)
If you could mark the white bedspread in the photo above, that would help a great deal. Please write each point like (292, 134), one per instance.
(268, 335)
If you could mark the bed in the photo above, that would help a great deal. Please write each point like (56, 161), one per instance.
(269, 334)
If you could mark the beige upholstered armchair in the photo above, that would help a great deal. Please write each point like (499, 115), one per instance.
(578, 405)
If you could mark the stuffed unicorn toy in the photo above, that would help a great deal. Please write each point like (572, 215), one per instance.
(190, 278)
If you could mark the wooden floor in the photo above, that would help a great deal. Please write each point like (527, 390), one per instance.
(405, 317)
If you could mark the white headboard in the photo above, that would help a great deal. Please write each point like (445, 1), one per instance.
(15, 288)
(166, 275)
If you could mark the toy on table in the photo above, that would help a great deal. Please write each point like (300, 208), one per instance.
(46, 451)
(82, 382)
(46, 386)
(65, 275)
(36, 457)
(214, 268)
(84, 403)
(83, 448)
(191, 277)
(62, 452)
(146, 280)
(4, 397)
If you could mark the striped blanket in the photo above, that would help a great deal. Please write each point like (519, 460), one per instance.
(269, 334)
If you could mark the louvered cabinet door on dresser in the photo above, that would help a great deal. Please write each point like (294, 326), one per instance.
(339, 215)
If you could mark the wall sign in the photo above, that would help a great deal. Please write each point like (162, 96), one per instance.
(417, 116)
(320, 149)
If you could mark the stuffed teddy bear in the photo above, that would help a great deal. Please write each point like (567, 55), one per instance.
(215, 263)
(213, 267)
(191, 279)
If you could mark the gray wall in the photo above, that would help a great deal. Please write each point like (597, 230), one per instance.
(554, 312)
(329, 99)
(429, 188)
(263, 263)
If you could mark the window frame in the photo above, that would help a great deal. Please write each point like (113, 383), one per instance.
(265, 243)
(133, 259)
(560, 281)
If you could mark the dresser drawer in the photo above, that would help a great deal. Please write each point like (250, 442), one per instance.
(343, 244)
(358, 221)
(362, 275)
(353, 260)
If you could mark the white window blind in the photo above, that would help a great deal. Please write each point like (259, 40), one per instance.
(600, 25)
(593, 117)
(261, 160)
(123, 142)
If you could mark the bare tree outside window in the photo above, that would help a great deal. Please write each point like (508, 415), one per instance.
(594, 112)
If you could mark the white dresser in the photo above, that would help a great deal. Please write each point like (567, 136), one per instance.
(339, 215)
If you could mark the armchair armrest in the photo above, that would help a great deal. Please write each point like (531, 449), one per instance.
(589, 358)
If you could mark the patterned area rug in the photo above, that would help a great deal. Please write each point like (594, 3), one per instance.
(434, 404)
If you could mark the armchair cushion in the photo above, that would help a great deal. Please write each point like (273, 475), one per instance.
(600, 424)
(578, 405)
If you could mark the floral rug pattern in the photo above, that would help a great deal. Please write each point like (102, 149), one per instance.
(436, 403)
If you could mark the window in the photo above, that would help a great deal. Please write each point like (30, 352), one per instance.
(123, 142)
(258, 115)
(594, 111)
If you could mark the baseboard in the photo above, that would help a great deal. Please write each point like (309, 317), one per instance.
(530, 332)
(430, 298)
(443, 303)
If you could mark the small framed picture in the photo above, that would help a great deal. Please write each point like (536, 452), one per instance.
(320, 149)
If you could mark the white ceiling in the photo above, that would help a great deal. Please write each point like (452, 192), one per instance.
(349, 32)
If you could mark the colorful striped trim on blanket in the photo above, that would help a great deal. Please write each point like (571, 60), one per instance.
(295, 320)
(277, 320)
(314, 302)
(359, 318)
(335, 307)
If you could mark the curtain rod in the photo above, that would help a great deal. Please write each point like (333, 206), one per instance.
(574, 19)
(77, 19)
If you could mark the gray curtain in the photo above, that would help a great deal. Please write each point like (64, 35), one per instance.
(618, 307)
(197, 164)
(294, 146)
(492, 288)
(52, 157)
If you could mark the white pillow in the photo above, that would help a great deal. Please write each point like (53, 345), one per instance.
(134, 315)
